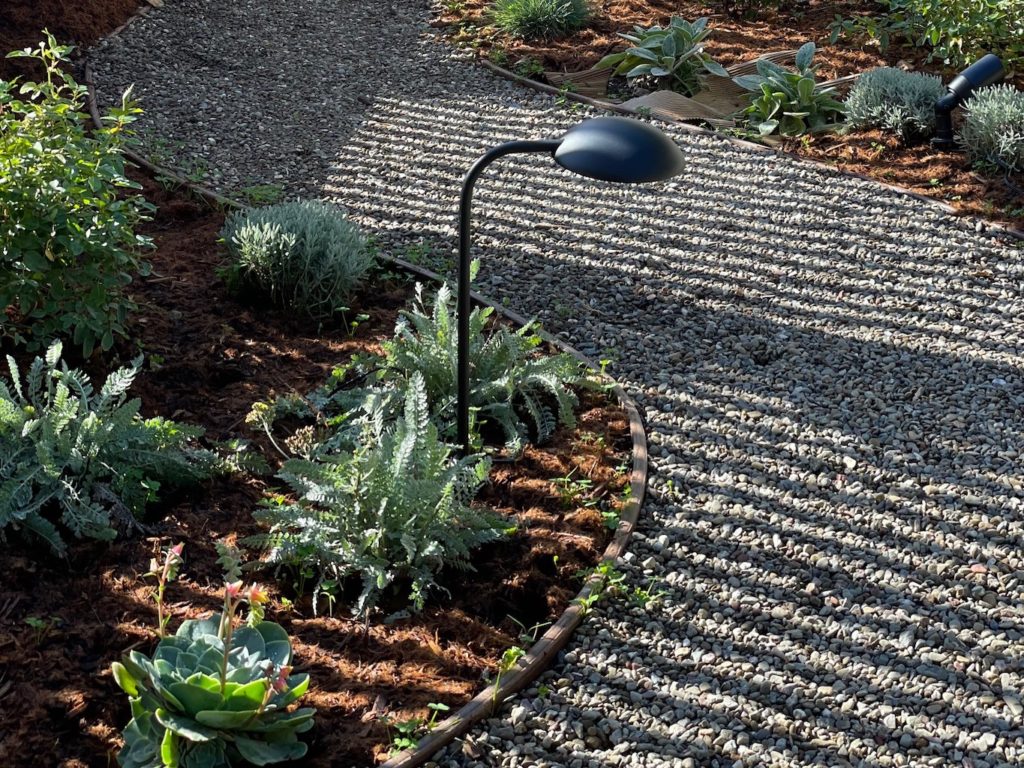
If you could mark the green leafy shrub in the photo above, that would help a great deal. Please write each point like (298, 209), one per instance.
(956, 31)
(511, 385)
(895, 101)
(789, 102)
(540, 19)
(304, 256)
(993, 127)
(396, 507)
(195, 706)
(671, 56)
(87, 459)
(68, 246)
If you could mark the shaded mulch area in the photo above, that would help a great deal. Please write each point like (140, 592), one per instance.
(945, 176)
(72, 22)
(209, 358)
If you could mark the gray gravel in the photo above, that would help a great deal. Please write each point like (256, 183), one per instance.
(831, 373)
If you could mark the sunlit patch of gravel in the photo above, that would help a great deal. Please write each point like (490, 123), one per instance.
(831, 372)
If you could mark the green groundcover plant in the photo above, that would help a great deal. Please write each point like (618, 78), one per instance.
(540, 19)
(68, 246)
(85, 462)
(956, 32)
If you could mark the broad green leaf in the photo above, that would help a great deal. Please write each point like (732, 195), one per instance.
(804, 56)
(262, 753)
(185, 727)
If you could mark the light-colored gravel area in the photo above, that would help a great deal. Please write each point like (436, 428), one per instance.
(832, 374)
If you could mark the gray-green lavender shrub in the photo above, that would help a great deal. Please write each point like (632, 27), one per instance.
(993, 127)
(895, 101)
(304, 256)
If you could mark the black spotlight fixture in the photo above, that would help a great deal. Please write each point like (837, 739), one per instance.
(988, 70)
(607, 148)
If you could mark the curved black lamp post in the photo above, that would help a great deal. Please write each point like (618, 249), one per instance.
(607, 148)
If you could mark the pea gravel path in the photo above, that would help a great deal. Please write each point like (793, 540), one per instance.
(831, 373)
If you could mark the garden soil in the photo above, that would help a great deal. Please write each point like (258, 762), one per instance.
(74, 22)
(209, 357)
(944, 176)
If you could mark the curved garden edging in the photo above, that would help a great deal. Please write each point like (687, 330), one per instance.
(749, 145)
(540, 655)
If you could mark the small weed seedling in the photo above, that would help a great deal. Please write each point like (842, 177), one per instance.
(506, 663)
(646, 596)
(41, 628)
(573, 491)
(644, 112)
(407, 733)
(611, 581)
(529, 67)
(543, 691)
(528, 635)
(262, 194)
(352, 325)
(498, 57)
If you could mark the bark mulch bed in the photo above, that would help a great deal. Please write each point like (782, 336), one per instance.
(945, 176)
(209, 358)
(72, 22)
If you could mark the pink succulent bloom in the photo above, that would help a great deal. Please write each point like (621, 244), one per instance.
(177, 549)
(281, 682)
(233, 589)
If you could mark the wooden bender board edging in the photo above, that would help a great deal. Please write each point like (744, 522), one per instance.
(540, 655)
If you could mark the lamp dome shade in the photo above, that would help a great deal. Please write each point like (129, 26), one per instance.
(619, 149)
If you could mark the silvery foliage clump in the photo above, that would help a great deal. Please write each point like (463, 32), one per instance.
(788, 102)
(85, 462)
(672, 56)
(192, 708)
(512, 386)
(304, 256)
(993, 127)
(395, 507)
(895, 101)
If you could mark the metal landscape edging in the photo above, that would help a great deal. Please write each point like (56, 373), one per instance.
(610, 106)
(540, 655)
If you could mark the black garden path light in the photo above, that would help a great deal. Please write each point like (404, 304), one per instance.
(988, 70)
(607, 148)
